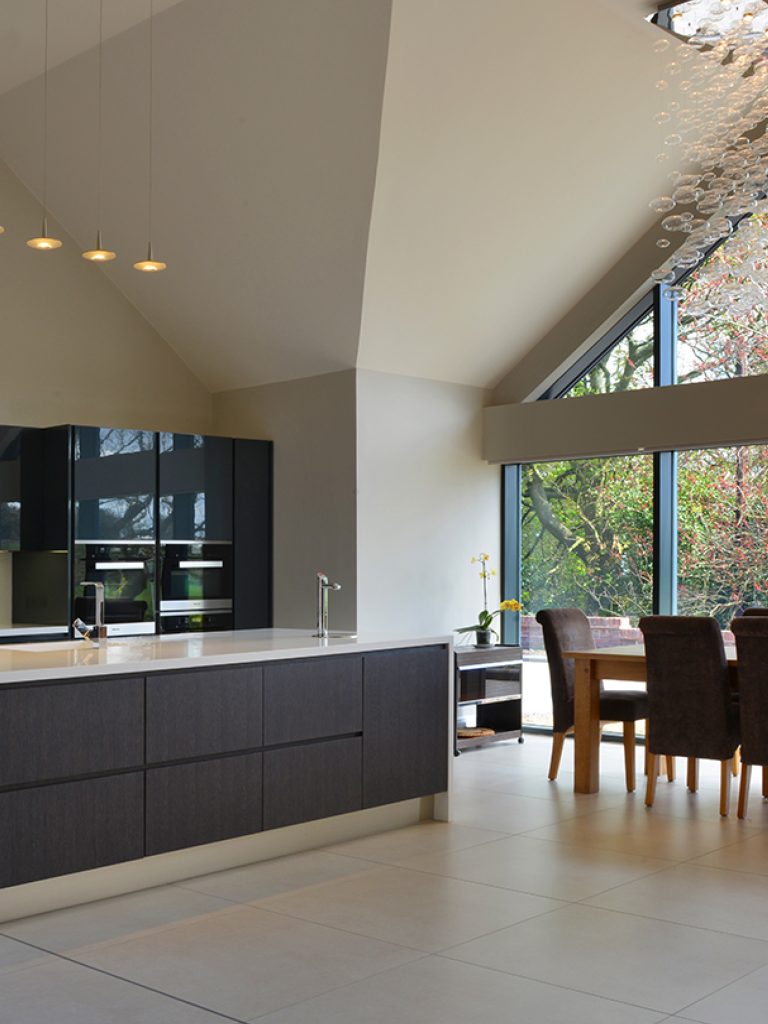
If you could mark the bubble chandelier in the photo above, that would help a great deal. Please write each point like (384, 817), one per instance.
(715, 127)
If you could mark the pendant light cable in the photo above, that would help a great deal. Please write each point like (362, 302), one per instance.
(150, 264)
(44, 242)
(99, 254)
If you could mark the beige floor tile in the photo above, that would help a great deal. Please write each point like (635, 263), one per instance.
(539, 867)
(402, 843)
(245, 962)
(750, 855)
(60, 992)
(116, 919)
(434, 991)
(508, 813)
(272, 877)
(648, 832)
(745, 1002)
(14, 955)
(699, 896)
(648, 963)
(414, 909)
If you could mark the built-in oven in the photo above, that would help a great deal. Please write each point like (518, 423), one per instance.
(195, 586)
(127, 571)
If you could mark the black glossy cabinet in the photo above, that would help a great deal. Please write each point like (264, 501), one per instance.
(317, 697)
(193, 714)
(314, 780)
(405, 724)
(203, 802)
(253, 534)
(70, 729)
(72, 826)
(195, 485)
(115, 484)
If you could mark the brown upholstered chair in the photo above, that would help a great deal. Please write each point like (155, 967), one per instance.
(691, 711)
(754, 612)
(751, 632)
(568, 629)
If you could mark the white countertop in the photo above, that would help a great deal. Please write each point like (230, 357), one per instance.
(126, 655)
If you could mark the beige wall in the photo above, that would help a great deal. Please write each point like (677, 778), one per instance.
(73, 349)
(426, 503)
(714, 413)
(312, 423)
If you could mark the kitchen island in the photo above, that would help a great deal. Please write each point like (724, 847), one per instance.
(149, 760)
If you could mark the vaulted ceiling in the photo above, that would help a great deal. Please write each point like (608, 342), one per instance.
(422, 187)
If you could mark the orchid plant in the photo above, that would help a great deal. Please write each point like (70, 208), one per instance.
(485, 618)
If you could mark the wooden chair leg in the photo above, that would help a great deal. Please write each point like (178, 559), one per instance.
(725, 787)
(670, 768)
(746, 778)
(629, 755)
(645, 750)
(558, 739)
(693, 774)
(765, 780)
(650, 788)
(736, 762)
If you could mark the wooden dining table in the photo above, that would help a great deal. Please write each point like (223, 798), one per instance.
(625, 664)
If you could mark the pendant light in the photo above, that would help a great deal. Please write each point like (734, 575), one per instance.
(99, 254)
(44, 242)
(150, 265)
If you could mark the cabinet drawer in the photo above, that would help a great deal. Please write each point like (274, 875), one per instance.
(72, 826)
(312, 781)
(192, 714)
(56, 732)
(405, 751)
(305, 700)
(203, 802)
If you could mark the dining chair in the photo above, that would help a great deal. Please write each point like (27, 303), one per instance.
(691, 710)
(755, 611)
(568, 629)
(751, 634)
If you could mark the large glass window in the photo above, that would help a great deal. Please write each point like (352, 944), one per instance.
(627, 367)
(723, 314)
(587, 542)
(722, 531)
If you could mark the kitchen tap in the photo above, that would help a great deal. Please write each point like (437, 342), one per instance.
(323, 586)
(99, 626)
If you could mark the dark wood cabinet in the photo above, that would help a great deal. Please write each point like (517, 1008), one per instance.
(314, 780)
(69, 729)
(192, 714)
(203, 802)
(405, 724)
(320, 696)
(195, 474)
(115, 484)
(73, 826)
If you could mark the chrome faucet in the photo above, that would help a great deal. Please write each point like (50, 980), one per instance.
(99, 626)
(323, 586)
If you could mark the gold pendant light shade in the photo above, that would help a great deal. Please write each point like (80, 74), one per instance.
(150, 265)
(99, 254)
(44, 242)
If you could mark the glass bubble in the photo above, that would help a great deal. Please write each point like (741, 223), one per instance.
(674, 68)
(663, 117)
(662, 157)
(673, 140)
(673, 294)
(662, 84)
(674, 223)
(662, 274)
(661, 45)
(663, 243)
(662, 204)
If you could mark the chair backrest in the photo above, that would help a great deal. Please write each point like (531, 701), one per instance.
(754, 612)
(752, 654)
(565, 629)
(690, 709)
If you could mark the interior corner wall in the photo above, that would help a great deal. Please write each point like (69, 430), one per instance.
(312, 424)
(74, 350)
(426, 503)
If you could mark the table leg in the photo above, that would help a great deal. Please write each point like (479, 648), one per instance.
(587, 738)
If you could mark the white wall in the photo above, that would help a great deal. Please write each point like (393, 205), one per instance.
(426, 503)
(312, 423)
(72, 348)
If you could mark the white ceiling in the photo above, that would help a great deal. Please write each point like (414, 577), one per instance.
(304, 231)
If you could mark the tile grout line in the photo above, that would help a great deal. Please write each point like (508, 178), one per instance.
(720, 988)
(127, 981)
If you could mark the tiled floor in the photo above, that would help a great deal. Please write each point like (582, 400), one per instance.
(534, 905)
